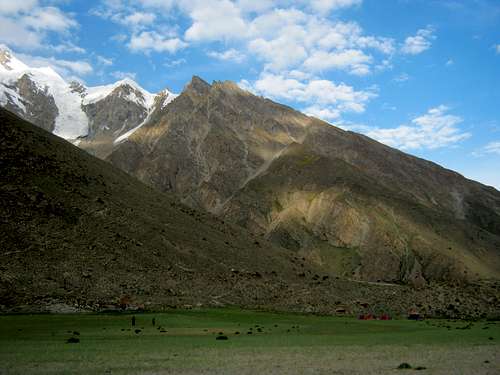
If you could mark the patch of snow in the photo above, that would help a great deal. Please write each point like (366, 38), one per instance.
(125, 136)
(168, 98)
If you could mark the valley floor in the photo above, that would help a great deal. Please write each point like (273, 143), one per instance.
(185, 342)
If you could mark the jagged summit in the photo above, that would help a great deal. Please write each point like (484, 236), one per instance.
(197, 85)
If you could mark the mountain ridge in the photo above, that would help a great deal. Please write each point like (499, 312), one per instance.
(222, 149)
(81, 235)
(193, 150)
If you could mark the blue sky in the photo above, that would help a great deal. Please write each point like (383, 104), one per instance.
(419, 75)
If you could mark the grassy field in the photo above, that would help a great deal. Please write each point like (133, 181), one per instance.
(184, 342)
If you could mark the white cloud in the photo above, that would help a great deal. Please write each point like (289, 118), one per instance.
(228, 55)
(15, 34)
(282, 34)
(497, 48)
(13, 6)
(353, 61)
(419, 43)
(493, 148)
(279, 53)
(215, 20)
(286, 39)
(139, 18)
(104, 61)
(490, 148)
(323, 98)
(66, 47)
(325, 6)
(258, 6)
(148, 41)
(173, 63)
(327, 114)
(450, 62)
(26, 25)
(122, 75)
(49, 18)
(435, 129)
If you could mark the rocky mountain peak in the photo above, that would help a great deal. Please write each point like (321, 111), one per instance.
(198, 86)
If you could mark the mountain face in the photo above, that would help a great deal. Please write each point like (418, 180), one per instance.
(350, 204)
(79, 231)
(344, 202)
(78, 234)
(92, 117)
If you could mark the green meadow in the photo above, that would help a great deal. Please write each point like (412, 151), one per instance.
(189, 342)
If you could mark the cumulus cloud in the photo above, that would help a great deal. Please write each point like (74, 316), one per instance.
(49, 18)
(323, 98)
(13, 33)
(12, 6)
(249, 6)
(419, 43)
(327, 114)
(351, 60)
(228, 55)
(285, 39)
(139, 19)
(435, 129)
(329, 5)
(215, 20)
(148, 41)
(25, 24)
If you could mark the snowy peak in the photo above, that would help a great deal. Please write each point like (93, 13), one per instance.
(92, 117)
(126, 89)
(8, 62)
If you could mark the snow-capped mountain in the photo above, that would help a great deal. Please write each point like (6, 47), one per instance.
(91, 117)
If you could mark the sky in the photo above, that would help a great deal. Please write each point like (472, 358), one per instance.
(419, 75)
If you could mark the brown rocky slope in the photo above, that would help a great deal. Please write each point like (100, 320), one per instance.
(345, 202)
